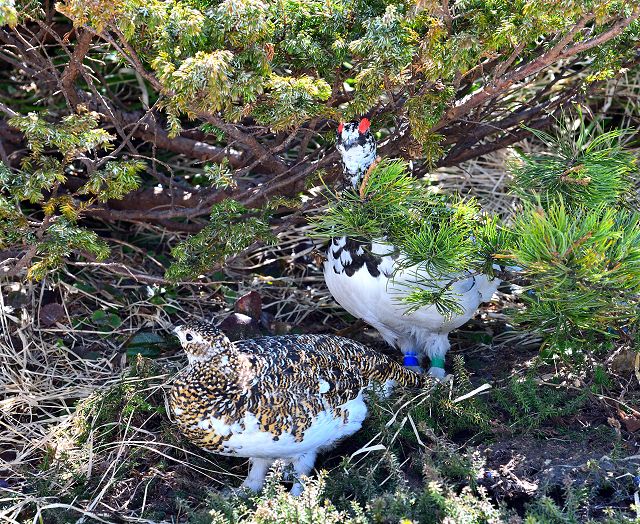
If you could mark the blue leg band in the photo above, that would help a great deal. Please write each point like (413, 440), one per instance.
(410, 359)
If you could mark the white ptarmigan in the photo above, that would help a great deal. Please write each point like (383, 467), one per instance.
(363, 277)
(276, 398)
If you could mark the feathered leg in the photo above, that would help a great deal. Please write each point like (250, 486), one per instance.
(257, 473)
(302, 466)
(436, 348)
(433, 345)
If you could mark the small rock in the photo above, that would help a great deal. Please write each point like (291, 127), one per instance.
(624, 362)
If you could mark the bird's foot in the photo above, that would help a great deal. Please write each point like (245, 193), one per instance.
(437, 367)
(252, 485)
(437, 372)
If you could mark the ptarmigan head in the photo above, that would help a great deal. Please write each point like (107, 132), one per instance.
(357, 146)
(202, 341)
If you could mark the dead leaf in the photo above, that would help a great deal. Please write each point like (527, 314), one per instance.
(631, 422)
(250, 305)
(51, 314)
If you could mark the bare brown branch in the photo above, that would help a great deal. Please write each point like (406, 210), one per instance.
(72, 70)
(498, 86)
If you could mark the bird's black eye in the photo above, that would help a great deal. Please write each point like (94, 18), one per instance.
(189, 337)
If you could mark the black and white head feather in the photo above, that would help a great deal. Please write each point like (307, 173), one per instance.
(202, 341)
(357, 146)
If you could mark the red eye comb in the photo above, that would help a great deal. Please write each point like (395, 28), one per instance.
(340, 127)
(364, 125)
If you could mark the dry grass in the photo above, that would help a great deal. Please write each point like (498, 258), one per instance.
(50, 371)
(486, 179)
(47, 370)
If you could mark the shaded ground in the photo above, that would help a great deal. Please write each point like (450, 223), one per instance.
(87, 359)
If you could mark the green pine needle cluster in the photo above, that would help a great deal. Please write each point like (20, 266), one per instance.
(441, 237)
(587, 170)
(584, 269)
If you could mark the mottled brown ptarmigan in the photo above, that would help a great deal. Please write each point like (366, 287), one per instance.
(276, 398)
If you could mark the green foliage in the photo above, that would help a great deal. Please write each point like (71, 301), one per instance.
(135, 399)
(8, 13)
(116, 180)
(220, 176)
(231, 229)
(275, 505)
(545, 510)
(73, 136)
(589, 170)
(578, 239)
(434, 504)
(275, 61)
(444, 412)
(280, 65)
(56, 151)
(424, 112)
(388, 193)
(292, 101)
(584, 269)
(61, 240)
(529, 405)
(439, 235)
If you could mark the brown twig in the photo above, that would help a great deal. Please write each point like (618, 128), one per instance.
(558, 51)
(74, 66)
(365, 179)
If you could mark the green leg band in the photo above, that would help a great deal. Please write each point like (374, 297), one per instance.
(437, 362)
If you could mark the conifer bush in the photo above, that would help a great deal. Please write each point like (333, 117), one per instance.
(189, 131)
(578, 238)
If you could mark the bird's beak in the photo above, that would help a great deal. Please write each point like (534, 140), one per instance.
(177, 330)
